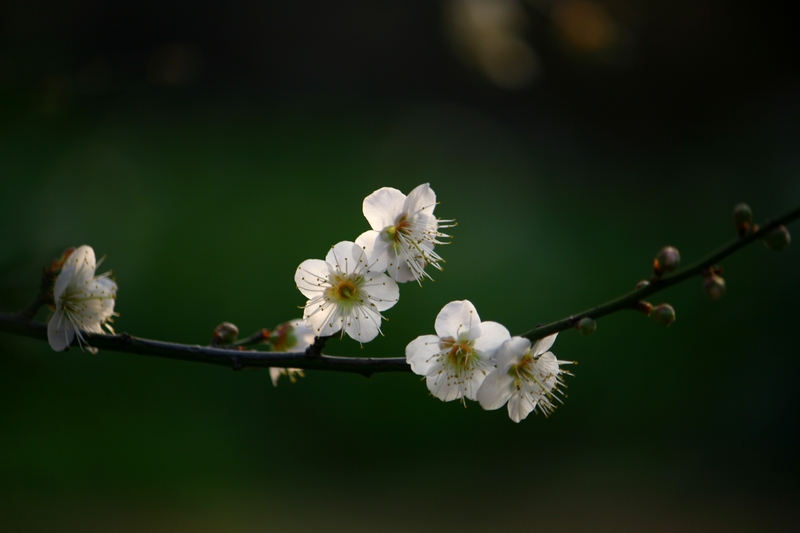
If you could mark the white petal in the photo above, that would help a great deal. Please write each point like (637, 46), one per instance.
(275, 374)
(347, 257)
(519, 406)
(420, 354)
(60, 332)
(458, 318)
(311, 277)
(492, 336)
(363, 324)
(375, 248)
(510, 352)
(542, 345)
(421, 200)
(84, 261)
(324, 322)
(383, 290)
(397, 268)
(439, 387)
(62, 281)
(473, 385)
(303, 334)
(547, 370)
(495, 390)
(383, 207)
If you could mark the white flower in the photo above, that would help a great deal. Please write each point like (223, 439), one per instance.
(344, 293)
(456, 360)
(292, 373)
(84, 302)
(526, 377)
(292, 335)
(404, 232)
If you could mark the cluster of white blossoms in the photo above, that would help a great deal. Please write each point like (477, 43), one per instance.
(83, 301)
(347, 291)
(467, 359)
(357, 281)
(472, 360)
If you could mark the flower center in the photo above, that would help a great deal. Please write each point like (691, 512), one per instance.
(459, 354)
(401, 228)
(346, 289)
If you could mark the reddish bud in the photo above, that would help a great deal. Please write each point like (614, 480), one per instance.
(667, 260)
(225, 333)
(714, 286)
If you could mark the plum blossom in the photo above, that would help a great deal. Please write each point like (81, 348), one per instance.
(345, 293)
(83, 301)
(526, 377)
(456, 360)
(292, 335)
(404, 232)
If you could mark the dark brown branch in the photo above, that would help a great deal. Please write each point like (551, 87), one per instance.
(314, 359)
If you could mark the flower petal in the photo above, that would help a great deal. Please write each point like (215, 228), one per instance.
(311, 277)
(459, 320)
(420, 354)
(84, 261)
(375, 248)
(510, 352)
(542, 345)
(492, 336)
(60, 332)
(363, 324)
(442, 388)
(383, 207)
(62, 282)
(495, 390)
(422, 200)
(519, 406)
(383, 290)
(347, 257)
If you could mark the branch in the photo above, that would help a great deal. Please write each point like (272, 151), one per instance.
(631, 300)
(314, 359)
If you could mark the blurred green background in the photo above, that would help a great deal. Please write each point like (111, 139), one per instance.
(208, 149)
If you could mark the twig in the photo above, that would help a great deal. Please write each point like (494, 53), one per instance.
(314, 359)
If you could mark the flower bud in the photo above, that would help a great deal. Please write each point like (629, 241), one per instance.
(586, 326)
(642, 284)
(777, 238)
(643, 307)
(742, 217)
(225, 333)
(663, 314)
(667, 260)
(714, 286)
(57, 264)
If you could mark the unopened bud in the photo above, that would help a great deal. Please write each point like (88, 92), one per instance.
(586, 326)
(742, 217)
(642, 284)
(663, 314)
(777, 238)
(58, 264)
(643, 307)
(225, 333)
(667, 260)
(714, 286)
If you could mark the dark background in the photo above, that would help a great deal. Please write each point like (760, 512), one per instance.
(208, 149)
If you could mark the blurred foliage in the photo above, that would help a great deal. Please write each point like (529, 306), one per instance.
(206, 195)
